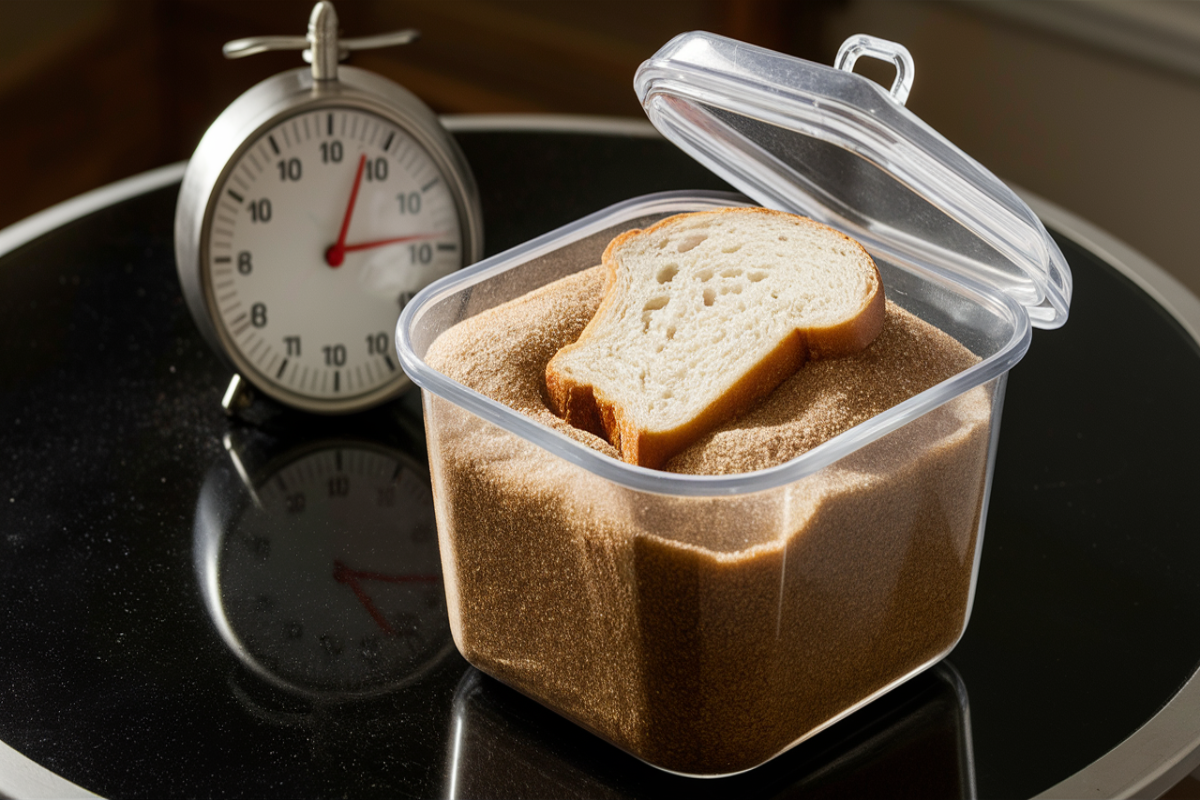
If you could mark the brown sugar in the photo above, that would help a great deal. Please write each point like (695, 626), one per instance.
(707, 634)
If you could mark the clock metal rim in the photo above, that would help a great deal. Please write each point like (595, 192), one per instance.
(358, 402)
(237, 129)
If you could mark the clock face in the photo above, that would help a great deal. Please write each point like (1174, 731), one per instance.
(319, 233)
(331, 583)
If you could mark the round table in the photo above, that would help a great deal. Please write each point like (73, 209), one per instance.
(127, 670)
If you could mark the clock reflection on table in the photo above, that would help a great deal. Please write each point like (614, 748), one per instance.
(318, 564)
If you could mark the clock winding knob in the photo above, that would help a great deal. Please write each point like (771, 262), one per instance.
(322, 47)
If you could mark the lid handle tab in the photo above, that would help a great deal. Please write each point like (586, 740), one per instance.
(865, 45)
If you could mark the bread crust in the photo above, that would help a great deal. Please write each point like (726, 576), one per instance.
(584, 406)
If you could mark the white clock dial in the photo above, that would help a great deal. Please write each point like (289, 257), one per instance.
(321, 229)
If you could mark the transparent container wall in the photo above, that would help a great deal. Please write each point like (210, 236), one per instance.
(971, 316)
(706, 635)
(551, 257)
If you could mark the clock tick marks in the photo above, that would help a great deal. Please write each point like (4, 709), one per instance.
(243, 249)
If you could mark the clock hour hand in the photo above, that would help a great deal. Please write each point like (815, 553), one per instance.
(336, 253)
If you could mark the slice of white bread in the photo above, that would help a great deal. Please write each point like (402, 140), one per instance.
(705, 313)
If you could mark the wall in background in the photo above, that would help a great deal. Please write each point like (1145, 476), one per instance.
(96, 90)
(1093, 105)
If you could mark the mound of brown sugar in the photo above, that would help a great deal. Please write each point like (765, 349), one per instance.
(706, 635)
(503, 353)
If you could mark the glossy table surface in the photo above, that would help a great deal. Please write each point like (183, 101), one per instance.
(168, 613)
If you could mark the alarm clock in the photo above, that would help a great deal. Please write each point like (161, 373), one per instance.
(315, 206)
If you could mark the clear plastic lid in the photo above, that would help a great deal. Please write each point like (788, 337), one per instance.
(835, 146)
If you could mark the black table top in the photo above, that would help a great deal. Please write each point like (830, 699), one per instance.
(121, 480)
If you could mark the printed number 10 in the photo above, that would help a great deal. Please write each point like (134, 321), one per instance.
(420, 253)
(377, 344)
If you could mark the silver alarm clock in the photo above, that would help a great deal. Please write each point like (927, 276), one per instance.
(315, 206)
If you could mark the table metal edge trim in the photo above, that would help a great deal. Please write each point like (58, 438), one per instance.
(1142, 753)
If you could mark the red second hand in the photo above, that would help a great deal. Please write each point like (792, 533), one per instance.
(336, 253)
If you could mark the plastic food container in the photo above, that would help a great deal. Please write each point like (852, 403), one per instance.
(706, 624)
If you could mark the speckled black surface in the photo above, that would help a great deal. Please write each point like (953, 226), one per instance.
(113, 673)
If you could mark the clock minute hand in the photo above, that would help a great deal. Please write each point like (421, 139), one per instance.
(350, 248)
(336, 253)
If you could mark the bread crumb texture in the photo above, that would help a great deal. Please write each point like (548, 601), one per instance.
(707, 635)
